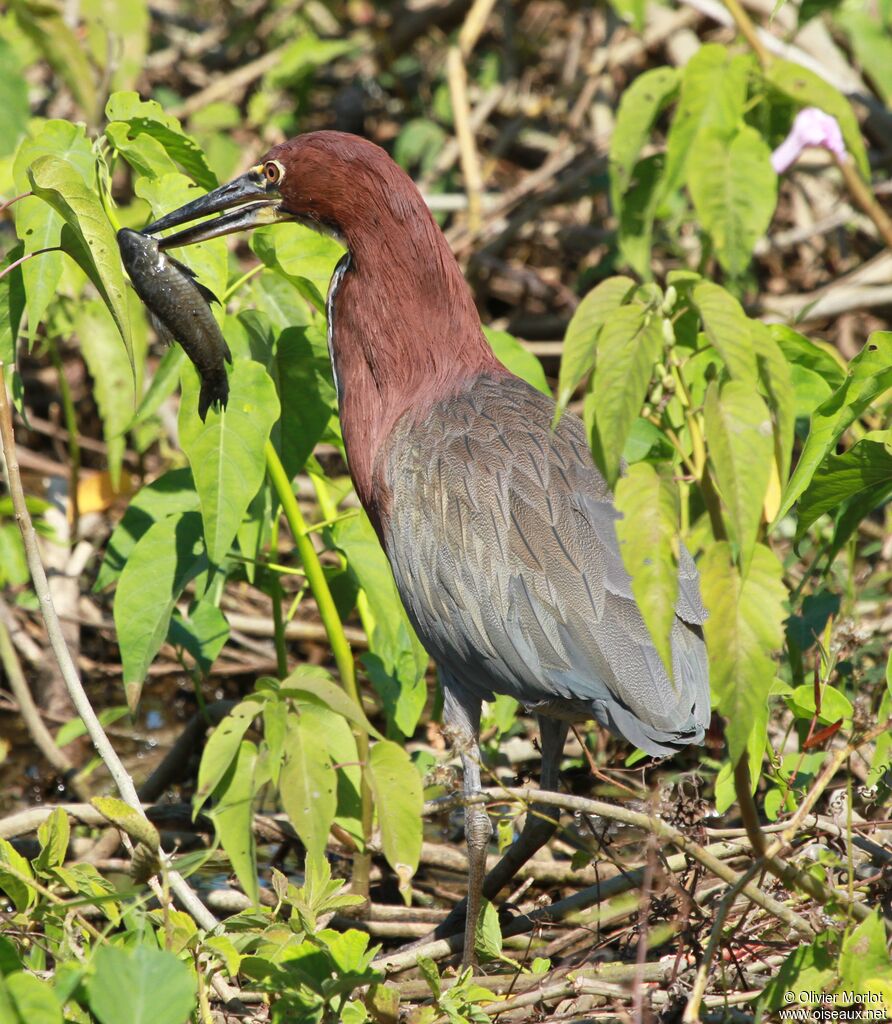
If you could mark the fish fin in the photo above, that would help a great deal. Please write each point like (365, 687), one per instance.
(183, 269)
(206, 293)
(161, 329)
(213, 392)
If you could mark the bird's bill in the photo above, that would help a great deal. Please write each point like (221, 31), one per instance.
(250, 198)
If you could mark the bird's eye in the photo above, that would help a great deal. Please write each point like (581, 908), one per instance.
(272, 171)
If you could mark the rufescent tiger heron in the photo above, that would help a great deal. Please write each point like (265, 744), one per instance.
(499, 529)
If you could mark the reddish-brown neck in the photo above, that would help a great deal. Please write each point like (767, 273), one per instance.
(403, 326)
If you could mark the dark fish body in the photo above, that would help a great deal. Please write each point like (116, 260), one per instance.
(180, 305)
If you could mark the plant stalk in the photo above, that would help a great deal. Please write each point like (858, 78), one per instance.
(340, 646)
(748, 30)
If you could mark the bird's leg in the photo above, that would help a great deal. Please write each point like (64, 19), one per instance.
(461, 718)
(478, 832)
(541, 820)
(539, 827)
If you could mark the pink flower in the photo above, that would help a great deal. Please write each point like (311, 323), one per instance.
(812, 127)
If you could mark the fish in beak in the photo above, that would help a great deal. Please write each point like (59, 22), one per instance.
(252, 199)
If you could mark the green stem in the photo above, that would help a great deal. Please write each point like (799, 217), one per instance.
(318, 584)
(239, 281)
(278, 622)
(340, 646)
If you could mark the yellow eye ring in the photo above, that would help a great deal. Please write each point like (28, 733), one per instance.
(273, 171)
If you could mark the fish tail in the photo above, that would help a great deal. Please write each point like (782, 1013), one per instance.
(214, 391)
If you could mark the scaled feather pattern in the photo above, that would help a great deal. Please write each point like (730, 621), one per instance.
(503, 543)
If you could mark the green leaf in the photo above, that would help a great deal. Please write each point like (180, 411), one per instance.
(713, 93)
(13, 564)
(44, 25)
(834, 705)
(869, 375)
(488, 937)
(418, 144)
(275, 713)
(808, 89)
(144, 154)
(281, 299)
(630, 344)
(814, 372)
(313, 683)
(12, 305)
(520, 361)
(162, 385)
(396, 787)
(864, 954)
(171, 493)
(306, 397)
(75, 727)
(391, 636)
(734, 190)
(774, 374)
(743, 630)
(741, 446)
(308, 783)
(202, 633)
(34, 1000)
(118, 36)
(636, 216)
(867, 465)
(38, 226)
(208, 260)
(14, 111)
(648, 537)
(232, 816)
(90, 238)
(112, 377)
(136, 825)
(17, 889)
(53, 834)
(853, 510)
(639, 107)
(807, 969)
(140, 985)
(872, 45)
(341, 745)
(304, 55)
(167, 557)
(226, 452)
(728, 329)
(9, 957)
(299, 253)
(820, 357)
(222, 748)
(147, 116)
(581, 339)
(225, 949)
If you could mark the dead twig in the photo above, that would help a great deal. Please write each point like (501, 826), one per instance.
(57, 642)
(43, 738)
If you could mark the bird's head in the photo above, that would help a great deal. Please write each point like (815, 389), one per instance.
(333, 182)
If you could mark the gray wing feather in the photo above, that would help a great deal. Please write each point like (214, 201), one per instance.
(502, 538)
